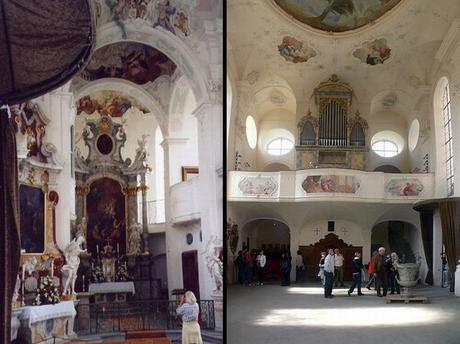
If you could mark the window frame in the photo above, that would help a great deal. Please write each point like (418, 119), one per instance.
(280, 138)
(385, 149)
(448, 141)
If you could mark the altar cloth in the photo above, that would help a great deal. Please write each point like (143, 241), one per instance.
(111, 287)
(36, 314)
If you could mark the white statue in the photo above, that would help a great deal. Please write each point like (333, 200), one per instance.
(134, 240)
(108, 263)
(16, 290)
(81, 227)
(215, 264)
(30, 265)
(71, 253)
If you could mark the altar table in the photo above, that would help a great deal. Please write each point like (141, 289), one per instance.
(104, 291)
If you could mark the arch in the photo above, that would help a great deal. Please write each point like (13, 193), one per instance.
(276, 167)
(109, 175)
(357, 137)
(387, 169)
(129, 88)
(308, 134)
(165, 42)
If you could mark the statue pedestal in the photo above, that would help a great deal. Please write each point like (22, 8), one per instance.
(457, 281)
(218, 309)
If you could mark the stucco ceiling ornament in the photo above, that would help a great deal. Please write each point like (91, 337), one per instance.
(373, 53)
(215, 88)
(253, 77)
(277, 97)
(295, 51)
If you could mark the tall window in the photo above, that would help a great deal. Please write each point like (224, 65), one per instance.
(448, 140)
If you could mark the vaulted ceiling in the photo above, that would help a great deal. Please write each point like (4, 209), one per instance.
(386, 61)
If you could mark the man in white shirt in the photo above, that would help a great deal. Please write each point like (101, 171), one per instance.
(329, 273)
(261, 262)
(299, 266)
(338, 264)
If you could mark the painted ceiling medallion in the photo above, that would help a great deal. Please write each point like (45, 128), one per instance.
(336, 15)
(373, 53)
(295, 51)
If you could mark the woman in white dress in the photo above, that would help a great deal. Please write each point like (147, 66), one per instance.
(321, 267)
(189, 310)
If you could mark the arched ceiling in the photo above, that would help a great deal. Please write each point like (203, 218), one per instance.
(394, 53)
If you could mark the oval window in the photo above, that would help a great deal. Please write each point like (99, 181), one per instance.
(251, 132)
(414, 131)
(385, 148)
(280, 146)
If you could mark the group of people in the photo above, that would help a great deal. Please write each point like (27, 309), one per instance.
(382, 269)
(250, 264)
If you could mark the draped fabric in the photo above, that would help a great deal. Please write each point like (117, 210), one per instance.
(426, 222)
(42, 45)
(9, 221)
(450, 221)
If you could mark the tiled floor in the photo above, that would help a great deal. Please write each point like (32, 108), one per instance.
(272, 314)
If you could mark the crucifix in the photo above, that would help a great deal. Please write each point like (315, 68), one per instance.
(316, 231)
(344, 231)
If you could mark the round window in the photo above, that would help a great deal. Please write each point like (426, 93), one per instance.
(104, 144)
(414, 131)
(385, 148)
(251, 132)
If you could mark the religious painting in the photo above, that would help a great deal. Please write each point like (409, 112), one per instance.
(331, 184)
(295, 51)
(131, 61)
(404, 187)
(373, 53)
(105, 205)
(32, 218)
(336, 15)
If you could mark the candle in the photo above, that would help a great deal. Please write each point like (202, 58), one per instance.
(97, 250)
(83, 278)
(118, 249)
(23, 271)
(52, 267)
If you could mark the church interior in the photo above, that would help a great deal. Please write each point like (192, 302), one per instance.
(114, 227)
(342, 132)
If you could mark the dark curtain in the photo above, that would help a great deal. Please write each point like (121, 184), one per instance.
(426, 222)
(449, 220)
(9, 221)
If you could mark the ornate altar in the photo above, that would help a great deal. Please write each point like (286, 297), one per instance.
(107, 185)
(332, 137)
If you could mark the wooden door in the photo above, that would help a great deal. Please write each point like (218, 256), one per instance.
(190, 275)
(312, 255)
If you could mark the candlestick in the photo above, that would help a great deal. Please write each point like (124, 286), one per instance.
(83, 278)
(118, 249)
(23, 271)
(97, 250)
(52, 267)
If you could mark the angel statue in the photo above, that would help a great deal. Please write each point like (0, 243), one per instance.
(71, 253)
(134, 240)
(215, 264)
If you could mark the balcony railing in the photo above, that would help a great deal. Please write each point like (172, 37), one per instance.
(340, 184)
(136, 316)
(185, 198)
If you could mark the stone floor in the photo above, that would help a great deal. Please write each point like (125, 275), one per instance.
(300, 314)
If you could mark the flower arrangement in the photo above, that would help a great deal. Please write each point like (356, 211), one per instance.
(98, 275)
(122, 272)
(47, 293)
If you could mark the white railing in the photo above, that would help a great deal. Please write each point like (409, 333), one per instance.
(185, 201)
(338, 184)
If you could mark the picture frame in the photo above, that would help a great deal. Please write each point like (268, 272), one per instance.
(189, 172)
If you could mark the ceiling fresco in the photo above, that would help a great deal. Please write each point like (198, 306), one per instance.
(109, 103)
(131, 61)
(336, 15)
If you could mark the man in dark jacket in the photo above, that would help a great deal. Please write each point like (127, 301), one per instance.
(356, 267)
(381, 272)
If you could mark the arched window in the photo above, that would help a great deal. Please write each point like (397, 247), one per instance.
(357, 135)
(448, 139)
(308, 136)
(385, 148)
(280, 146)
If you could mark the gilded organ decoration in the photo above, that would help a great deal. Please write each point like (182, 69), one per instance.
(332, 137)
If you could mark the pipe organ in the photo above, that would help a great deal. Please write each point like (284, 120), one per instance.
(333, 137)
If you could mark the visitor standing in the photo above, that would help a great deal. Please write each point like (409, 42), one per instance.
(321, 267)
(393, 274)
(356, 268)
(284, 269)
(329, 273)
(189, 310)
(248, 267)
(338, 266)
(370, 270)
(261, 261)
(239, 262)
(381, 272)
(299, 266)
